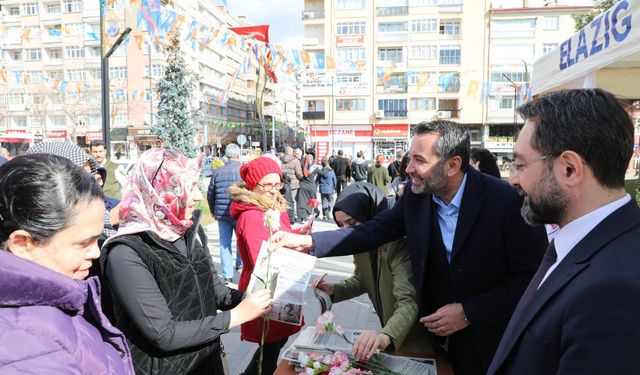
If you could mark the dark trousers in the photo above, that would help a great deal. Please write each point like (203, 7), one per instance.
(464, 354)
(341, 184)
(269, 359)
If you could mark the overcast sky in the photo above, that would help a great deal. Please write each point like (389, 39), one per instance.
(284, 18)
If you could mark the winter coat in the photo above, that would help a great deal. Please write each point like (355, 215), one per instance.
(359, 170)
(392, 294)
(218, 192)
(248, 210)
(52, 324)
(379, 176)
(341, 167)
(292, 168)
(193, 293)
(326, 181)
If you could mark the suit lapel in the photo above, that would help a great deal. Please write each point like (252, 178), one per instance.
(578, 259)
(470, 207)
(422, 204)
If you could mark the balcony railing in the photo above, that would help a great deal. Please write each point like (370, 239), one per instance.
(393, 11)
(395, 88)
(450, 8)
(317, 14)
(393, 37)
(401, 113)
(318, 115)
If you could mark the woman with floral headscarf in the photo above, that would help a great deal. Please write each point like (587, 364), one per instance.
(166, 291)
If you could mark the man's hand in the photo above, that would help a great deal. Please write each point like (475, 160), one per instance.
(447, 320)
(290, 241)
(368, 342)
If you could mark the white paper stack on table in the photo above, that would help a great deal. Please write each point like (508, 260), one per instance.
(310, 341)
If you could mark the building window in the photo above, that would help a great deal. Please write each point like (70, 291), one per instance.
(148, 95)
(58, 121)
(15, 98)
(314, 105)
(156, 71)
(53, 8)
(75, 28)
(449, 105)
(119, 95)
(72, 6)
(55, 74)
(450, 29)
(450, 55)
(35, 76)
(30, 9)
(393, 107)
(501, 102)
(76, 75)
(117, 73)
(14, 11)
(392, 27)
(428, 51)
(513, 76)
(423, 78)
(390, 54)
(449, 82)
(350, 4)
(94, 74)
(349, 77)
(423, 104)
(548, 47)
(551, 23)
(74, 52)
(15, 55)
(16, 76)
(20, 121)
(520, 28)
(54, 53)
(350, 28)
(121, 118)
(424, 25)
(33, 54)
(350, 54)
(350, 105)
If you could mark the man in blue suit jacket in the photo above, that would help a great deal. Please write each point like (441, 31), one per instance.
(580, 313)
(472, 255)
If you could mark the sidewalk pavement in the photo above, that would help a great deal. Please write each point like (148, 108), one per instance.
(355, 313)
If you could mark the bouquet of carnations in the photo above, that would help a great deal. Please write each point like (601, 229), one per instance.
(337, 363)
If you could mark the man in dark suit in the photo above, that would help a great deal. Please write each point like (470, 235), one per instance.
(472, 255)
(342, 169)
(580, 312)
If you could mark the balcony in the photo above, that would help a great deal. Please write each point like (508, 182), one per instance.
(392, 11)
(316, 14)
(395, 88)
(450, 8)
(396, 114)
(318, 115)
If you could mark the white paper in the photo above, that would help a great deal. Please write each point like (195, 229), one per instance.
(288, 273)
(310, 340)
(409, 366)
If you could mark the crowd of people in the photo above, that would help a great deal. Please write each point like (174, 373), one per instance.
(107, 271)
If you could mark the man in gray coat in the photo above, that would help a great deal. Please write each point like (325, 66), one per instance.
(219, 202)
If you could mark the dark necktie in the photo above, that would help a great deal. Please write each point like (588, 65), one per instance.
(550, 257)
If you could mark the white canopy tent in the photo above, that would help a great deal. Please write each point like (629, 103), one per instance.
(604, 54)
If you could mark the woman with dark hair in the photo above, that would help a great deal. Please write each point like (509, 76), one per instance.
(166, 292)
(308, 189)
(400, 180)
(384, 274)
(484, 161)
(50, 317)
(258, 193)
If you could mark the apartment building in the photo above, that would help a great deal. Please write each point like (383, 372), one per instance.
(518, 36)
(47, 44)
(400, 62)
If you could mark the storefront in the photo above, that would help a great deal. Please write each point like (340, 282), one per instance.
(348, 138)
(604, 54)
(390, 138)
(140, 140)
(55, 136)
(17, 141)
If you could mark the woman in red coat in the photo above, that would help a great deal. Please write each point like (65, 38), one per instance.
(259, 192)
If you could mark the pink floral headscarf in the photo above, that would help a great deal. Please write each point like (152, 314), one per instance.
(159, 204)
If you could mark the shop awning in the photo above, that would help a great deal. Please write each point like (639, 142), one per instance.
(605, 54)
(11, 137)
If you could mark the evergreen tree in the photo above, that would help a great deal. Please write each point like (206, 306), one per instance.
(600, 6)
(176, 125)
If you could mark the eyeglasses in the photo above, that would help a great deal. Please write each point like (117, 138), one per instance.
(519, 165)
(271, 186)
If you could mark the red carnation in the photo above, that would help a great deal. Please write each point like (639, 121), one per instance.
(313, 203)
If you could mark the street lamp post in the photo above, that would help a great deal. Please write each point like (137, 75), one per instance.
(105, 79)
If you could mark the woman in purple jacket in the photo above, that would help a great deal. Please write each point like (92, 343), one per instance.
(51, 322)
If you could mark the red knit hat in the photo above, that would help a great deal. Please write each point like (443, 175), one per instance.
(252, 172)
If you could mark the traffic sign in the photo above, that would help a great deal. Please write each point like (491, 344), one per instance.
(242, 139)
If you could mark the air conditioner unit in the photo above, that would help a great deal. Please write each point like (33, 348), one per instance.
(444, 114)
(380, 113)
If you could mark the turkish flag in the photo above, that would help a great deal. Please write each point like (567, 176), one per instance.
(260, 32)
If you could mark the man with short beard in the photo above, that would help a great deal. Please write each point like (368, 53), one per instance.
(579, 313)
(472, 254)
